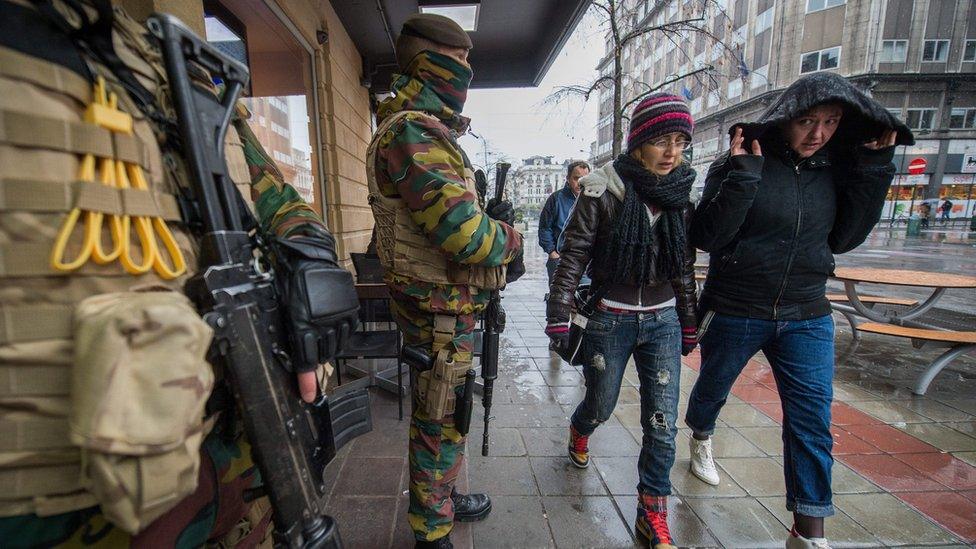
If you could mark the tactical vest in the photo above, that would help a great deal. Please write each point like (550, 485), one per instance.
(43, 137)
(401, 244)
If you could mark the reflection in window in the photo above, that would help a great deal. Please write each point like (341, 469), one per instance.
(962, 118)
(920, 119)
(817, 5)
(969, 52)
(935, 51)
(820, 60)
(894, 51)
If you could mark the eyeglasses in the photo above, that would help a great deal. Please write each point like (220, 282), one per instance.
(664, 144)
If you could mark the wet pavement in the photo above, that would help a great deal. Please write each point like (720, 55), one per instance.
(904, 475)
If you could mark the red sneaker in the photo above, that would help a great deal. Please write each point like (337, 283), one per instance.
(652, 522)
(579, 452)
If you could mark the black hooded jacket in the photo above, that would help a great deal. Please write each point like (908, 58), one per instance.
(772, 223)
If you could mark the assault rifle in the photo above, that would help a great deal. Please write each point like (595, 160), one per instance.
(237, 295)
(494, 325)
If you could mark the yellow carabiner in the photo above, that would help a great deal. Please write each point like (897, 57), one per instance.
(147, 240)
(164, 270)
(94, 227)
(86, 172)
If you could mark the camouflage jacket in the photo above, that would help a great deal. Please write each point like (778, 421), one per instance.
(419, 161)
(280, 209)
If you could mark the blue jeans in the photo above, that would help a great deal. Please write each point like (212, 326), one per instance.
(801, 354)
(654, 339)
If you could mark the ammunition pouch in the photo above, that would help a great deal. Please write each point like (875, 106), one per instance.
(139, 386)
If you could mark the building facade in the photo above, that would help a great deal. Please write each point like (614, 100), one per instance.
(536, 179)
(916, 57)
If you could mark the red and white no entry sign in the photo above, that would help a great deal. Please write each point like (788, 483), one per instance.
(917, 166)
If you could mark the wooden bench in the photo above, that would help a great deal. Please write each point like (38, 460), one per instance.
(875, 299)
(959, 344)
(869, 300)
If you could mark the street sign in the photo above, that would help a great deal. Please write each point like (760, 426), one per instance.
(917, 166)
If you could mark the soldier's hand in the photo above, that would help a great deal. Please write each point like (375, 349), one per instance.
(501, 210)
(308, 385)
(322, 305)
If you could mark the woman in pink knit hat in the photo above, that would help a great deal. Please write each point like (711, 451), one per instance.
(629, 233)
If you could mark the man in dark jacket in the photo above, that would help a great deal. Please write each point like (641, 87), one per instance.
(555, 213)
(805, 182)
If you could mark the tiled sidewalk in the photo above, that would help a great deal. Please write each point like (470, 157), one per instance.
(904, 473)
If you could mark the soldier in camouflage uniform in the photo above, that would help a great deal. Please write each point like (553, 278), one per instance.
(216, 512)
(442, 252)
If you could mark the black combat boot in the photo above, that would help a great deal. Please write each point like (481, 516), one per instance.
(470, 507)
(439, 543)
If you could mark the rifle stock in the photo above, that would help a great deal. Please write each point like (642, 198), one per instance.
(291, 441)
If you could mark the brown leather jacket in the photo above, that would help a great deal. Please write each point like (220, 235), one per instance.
(589, 226)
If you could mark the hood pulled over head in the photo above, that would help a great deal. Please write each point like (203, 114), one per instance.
(864, 118)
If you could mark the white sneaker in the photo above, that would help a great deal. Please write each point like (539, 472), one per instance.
(702, 464)
(799, 542)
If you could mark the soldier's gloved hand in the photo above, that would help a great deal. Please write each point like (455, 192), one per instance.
(502, 210)
(322, 305)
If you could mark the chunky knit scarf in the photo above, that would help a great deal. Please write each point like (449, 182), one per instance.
(632, 244)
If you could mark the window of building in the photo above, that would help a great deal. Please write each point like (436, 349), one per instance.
(962, 118)
(817, 5)
(969, 52)
(935, 51)
(696, 105)
(713, 98)
(820, 60)
(759, 77)
(894, 51)
(734, 89)
(920, 119)
(896, 112)
(764, 21)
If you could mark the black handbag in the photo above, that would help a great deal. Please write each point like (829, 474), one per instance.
(585, 301)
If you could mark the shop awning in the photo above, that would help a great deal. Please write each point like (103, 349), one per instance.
(515, 41)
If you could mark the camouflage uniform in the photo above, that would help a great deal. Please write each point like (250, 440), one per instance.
(214, 510)
(419, 161)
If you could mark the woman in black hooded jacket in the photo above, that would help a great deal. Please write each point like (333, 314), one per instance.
(806, 182)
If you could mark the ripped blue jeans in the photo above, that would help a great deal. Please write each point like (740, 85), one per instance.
(654, 340)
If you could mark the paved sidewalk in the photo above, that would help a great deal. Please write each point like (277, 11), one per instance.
(905, 470)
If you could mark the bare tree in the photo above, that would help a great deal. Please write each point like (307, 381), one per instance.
(622, 26)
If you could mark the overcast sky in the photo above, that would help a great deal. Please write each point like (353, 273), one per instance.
(518, 123)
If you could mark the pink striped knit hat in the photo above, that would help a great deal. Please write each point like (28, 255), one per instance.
(658, 114)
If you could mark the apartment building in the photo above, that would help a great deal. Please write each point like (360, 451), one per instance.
(536, 179)
(916, 57)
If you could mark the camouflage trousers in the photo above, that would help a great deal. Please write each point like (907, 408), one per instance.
(214, 513)
(436, 448)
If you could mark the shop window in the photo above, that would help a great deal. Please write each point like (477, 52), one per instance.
(935, 51)
(921, 119)
(281, 87)
(962, 118)
(820, 60)
(894, 51)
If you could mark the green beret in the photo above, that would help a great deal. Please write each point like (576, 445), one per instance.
(436, 28)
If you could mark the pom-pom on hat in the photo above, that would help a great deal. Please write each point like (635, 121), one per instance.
(656, 115)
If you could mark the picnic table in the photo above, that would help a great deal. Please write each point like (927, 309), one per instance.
(902, 322)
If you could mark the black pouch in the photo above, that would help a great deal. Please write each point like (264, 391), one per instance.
(586, 299)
